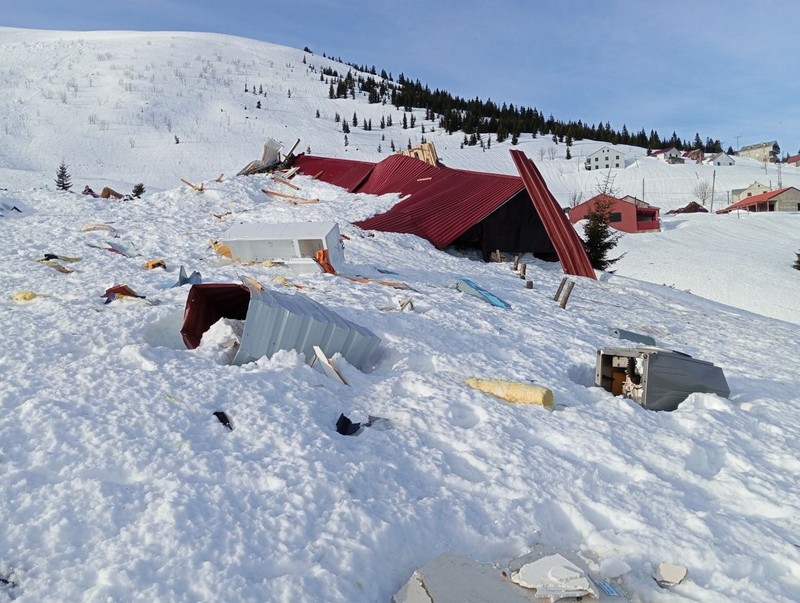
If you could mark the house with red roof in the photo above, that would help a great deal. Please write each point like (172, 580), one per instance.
(627, 215)
(783, 199)
(793, 160)
(668, 154)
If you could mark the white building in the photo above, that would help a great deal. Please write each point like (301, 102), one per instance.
(668, 154)
(604, 159)
(722, 159)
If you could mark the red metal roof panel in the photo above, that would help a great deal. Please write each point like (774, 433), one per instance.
(346, 173)
(568, 244)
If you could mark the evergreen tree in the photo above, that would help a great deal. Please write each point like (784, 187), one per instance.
(63, 179)
(598, 237)
(317, 114)
(797, 262)
(405, 122)
(138, 190)
(569, 155)
(355, 120)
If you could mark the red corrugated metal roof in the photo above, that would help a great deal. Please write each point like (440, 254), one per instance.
(400, 174)
(793, 159)
(568, 244)
(346, 173)
(754, 200)
(443, 204)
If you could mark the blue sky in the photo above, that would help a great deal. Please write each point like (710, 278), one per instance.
(723, 68)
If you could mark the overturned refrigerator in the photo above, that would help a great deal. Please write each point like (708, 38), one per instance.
(657, 378)
(274, 321)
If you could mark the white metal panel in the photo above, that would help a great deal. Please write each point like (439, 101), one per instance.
(279, 321)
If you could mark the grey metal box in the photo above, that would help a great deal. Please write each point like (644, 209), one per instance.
(656, 378)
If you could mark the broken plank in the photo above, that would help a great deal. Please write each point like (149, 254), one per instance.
(199, 188)
(327, 366)
(286, 182)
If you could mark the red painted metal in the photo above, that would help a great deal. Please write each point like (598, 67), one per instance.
(568, 244)
(400, 174)
(443, 203)
(346, 173)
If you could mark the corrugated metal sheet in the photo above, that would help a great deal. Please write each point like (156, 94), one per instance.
(346, 173)
(443, 202)
(568, 244)
(400, 174)
(278, 321)
(275, 321)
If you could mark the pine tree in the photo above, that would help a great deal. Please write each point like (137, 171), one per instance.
(598, 238)
(138, 190)
(63, 179)
(569, 155)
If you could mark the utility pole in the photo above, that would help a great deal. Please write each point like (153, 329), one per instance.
(713, 182)
(737, 143)
(780, 182)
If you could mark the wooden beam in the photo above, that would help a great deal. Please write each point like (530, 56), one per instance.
(199, 188)
(286, 182)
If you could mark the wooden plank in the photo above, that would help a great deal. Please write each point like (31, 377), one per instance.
(199, 188)
(327, 366)
(286, 182)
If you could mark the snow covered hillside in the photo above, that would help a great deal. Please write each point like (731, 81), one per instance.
(117, 482)
(110, 104)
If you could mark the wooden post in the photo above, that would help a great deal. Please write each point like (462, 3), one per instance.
(529, 284)
(560, 289)
(564, 299)
(522, 269)
(516, 263)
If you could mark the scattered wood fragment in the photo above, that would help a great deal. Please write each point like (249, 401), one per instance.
(567, 293)
(95, 226)
(219, 178)
(363, 279)
(198, 188)
(293, 199)
(286, 182)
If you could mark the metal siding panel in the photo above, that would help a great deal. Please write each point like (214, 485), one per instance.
(569, 246)
(281, 321)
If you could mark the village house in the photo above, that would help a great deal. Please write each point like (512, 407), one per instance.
(793, 160)
(721, 159)
(696, 155)
(783, 199)
(629, 215)
(763, 151)
(754, 189)
(668, 154)
(605, 158)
